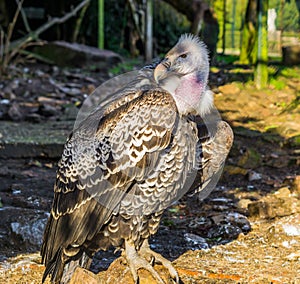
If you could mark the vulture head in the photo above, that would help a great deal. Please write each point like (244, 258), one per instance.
(184, 73)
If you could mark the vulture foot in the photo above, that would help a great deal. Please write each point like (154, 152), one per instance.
(155, 257)
(145, 258)
(136, 262)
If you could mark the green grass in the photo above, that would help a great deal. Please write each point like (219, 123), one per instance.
(227, 59)
(125, 66)
(278, 84)
(291, 72)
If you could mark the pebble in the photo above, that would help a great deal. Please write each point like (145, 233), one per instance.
(196, 240)
(5, 102)
(293, 256)
(291, 230)
(252, 175)
(30, 232)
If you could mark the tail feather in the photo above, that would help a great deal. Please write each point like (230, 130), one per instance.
(61, 267)
(55, 268)
(84, 261)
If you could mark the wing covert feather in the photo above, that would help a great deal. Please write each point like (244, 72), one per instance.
(214, 144)
(100, 163)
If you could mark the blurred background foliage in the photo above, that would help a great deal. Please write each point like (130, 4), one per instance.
(219, 26)
(287, 19)
(168, 23)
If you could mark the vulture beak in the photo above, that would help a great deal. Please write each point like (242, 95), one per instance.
(162, 69)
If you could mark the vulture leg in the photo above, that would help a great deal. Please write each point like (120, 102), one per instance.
(145, 251)
(137, 262)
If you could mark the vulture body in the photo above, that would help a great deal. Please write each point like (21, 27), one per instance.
(123, 165)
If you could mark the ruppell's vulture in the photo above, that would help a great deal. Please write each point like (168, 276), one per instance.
(133, 156)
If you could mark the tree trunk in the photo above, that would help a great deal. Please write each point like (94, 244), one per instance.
(198, 15)
(101, 24)
(233, 24)
(261, 71)
(249, 34)
(224, 28)
(281, 22)
(4, 19)
(149, 29)
(79, 22)
(183, 6)
(194, 11)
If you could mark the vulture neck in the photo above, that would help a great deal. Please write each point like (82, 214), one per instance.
(191, 96)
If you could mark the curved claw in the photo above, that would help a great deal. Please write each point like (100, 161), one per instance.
(137, 262)
(146, 251)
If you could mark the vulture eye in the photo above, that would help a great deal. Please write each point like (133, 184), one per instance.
(184, 55)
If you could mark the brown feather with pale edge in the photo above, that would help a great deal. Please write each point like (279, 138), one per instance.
(76, 214)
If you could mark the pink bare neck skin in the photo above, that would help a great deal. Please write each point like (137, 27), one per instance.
(188, 93)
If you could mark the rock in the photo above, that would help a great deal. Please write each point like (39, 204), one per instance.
(196, 240)
(250, 159)
(224, 232)
(118, 273)
(70, 113)
(243, 203)
(291, 229)
(64, 53)
(83, 276)
(233, 170)
(51, 101)
(14, 84)
(70, 90)
(296, 185)
(24, 139)
(199, 222)
(49, 110)
(3, 109)
(252, 175)
(294, 256)
(15, 113)
(228, 226)
(34, 117)
(279, 163)
(239, 220)
(5, 102)
(294, 141)
(279, 204)
(283, 192)
(9, 96)
(18, 268)
(291, 55)
(30, 232)
(230, 89)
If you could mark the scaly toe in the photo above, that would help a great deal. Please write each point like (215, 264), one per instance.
(137, 262)
(146, 251)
